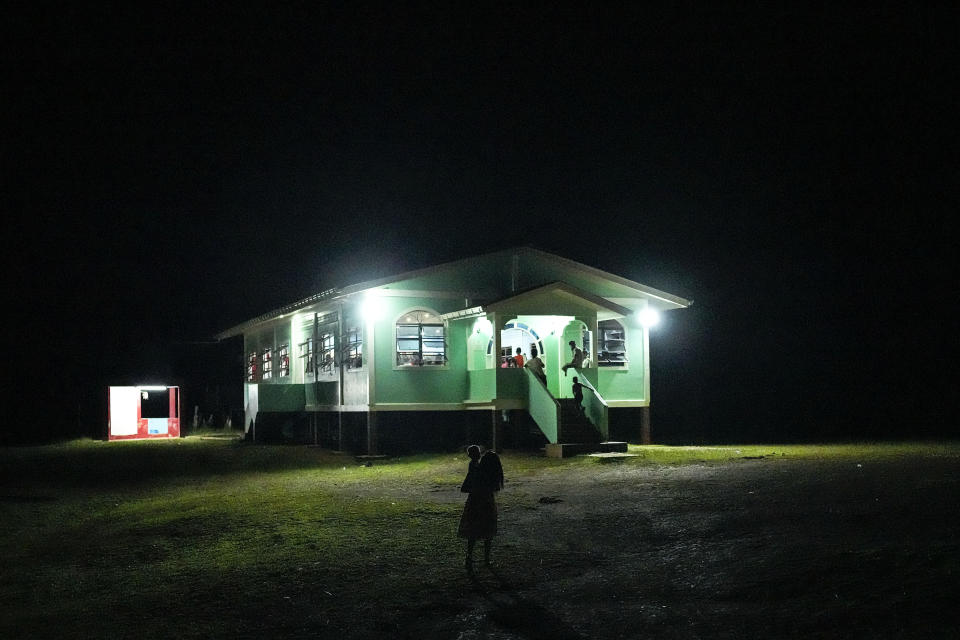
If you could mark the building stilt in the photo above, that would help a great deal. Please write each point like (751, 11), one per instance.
(645, 425)
(371, 433)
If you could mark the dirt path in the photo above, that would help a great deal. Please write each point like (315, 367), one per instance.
(756, 549)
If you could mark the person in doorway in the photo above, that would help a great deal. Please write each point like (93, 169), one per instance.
(577, 360)
(535, 364)
(479, 518)
(578, 393)
(519, 357)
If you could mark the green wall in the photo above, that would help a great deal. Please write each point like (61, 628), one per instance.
(430, 384)
(355, 380)
(617, 383)
(543, 408)
(465, 375)
(478, 333)
(323, 392)
(282, 397)
(511, 383)
(483, 384)
(535, 271)
(486, 274)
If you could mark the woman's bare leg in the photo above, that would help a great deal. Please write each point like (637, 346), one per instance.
(468, 563)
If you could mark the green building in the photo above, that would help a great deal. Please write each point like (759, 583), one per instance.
(425, 358)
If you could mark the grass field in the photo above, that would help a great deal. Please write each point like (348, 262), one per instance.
(214, 538)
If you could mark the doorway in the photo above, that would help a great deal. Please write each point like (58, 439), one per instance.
(517, 335)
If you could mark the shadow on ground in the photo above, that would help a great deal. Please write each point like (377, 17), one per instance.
(500, 608)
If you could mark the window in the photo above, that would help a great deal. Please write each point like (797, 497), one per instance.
(306, 357)
(252, 366)
(612, 344)
(353, 348)
(327, 354)
(420, 340)
(267, 359)
(283, 360)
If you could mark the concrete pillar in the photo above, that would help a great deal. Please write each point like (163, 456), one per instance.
(372, 433)
(495, 322)
(645, 425)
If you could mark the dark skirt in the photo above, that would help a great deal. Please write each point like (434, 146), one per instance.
(479, 519)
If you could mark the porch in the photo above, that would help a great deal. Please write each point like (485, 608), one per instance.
(572, 334)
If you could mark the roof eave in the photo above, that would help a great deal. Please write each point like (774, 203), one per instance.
(497, 305)
(642, 288)
(324, 296)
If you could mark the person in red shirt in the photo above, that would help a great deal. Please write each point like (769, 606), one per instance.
(519, 357)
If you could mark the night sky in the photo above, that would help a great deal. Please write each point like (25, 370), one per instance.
(170, 173)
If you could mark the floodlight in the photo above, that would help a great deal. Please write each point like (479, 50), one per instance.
(372, 306)
(648, 317)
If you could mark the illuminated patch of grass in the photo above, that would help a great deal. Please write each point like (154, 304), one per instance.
(210, 538)
(727, 453)
(296, 531)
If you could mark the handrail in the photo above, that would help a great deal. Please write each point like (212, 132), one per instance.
(586, 382)
(543, 407)
(597, 409)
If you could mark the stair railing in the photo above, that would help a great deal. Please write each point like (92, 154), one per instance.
(543, 407)
(595, 407)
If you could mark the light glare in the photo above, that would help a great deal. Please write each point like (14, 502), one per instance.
(648, 317)
(372, 306)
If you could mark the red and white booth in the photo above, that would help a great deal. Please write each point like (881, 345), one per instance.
(143, 412)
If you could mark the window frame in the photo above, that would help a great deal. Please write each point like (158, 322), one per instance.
(283, 357)
(422, 340)
(306, 357)
(602, 342)
(327, 354)
(352, 352)
(266, 358)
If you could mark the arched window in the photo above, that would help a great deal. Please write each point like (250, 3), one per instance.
(420, 339)
(611, 344)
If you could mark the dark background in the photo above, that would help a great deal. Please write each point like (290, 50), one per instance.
(173, 172)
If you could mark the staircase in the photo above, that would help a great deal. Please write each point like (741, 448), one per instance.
(575, 427)
(578, 435)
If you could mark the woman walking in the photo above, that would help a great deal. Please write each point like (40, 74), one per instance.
(479, 519)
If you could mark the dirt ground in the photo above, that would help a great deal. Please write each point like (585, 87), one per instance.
(760, 548)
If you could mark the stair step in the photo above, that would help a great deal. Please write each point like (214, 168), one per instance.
(567, 449)
(576, 428)
(587, 428)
